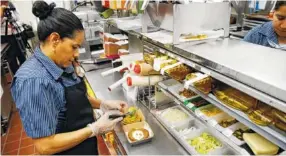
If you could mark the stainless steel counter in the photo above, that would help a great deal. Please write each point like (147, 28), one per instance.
(163, 143)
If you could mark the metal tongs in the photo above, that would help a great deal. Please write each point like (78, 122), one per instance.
(130, 112)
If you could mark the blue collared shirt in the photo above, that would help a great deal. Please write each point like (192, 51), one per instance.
(38, 94)
(262, 35)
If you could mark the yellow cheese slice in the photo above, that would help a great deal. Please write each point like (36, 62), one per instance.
(259, 145)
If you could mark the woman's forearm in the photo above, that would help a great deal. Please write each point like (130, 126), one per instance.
(95, 103)
(61, 142)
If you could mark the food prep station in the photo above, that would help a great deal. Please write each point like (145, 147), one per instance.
(161, 140)
(183, 115)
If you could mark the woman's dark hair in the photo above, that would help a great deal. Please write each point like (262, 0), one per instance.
(58, 20)
(279, 4)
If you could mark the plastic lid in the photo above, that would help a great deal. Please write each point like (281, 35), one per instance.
(129, 81)
(123, 51)
(137, 69)
(121, 42)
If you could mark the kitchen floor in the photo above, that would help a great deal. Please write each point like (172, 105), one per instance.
(16, 142)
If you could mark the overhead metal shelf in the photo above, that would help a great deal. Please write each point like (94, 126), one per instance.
(190, 54)
(276, 136)
(253, 69)
(243, 65)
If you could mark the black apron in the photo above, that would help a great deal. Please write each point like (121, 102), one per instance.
(79, 113)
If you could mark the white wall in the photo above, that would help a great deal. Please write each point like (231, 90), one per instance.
(24, 8)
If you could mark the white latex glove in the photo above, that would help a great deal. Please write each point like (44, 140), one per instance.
(113, 104)
(104, 124)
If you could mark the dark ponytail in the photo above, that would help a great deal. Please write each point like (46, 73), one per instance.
(58, 20)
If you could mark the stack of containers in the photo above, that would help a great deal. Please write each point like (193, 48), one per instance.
(187, 129)
(113, 44)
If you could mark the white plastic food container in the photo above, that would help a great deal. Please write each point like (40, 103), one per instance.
(189, 126)
(176, 89)
(180, 124)
(218, 151)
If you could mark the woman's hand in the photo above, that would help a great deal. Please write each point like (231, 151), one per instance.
(113, 104)
(104, 124)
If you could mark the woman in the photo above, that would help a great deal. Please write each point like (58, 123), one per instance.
(271, 34)
(54, 107)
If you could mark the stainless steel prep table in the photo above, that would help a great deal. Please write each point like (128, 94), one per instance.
(162, 143)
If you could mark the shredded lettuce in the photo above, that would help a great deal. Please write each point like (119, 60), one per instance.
(204, 143)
